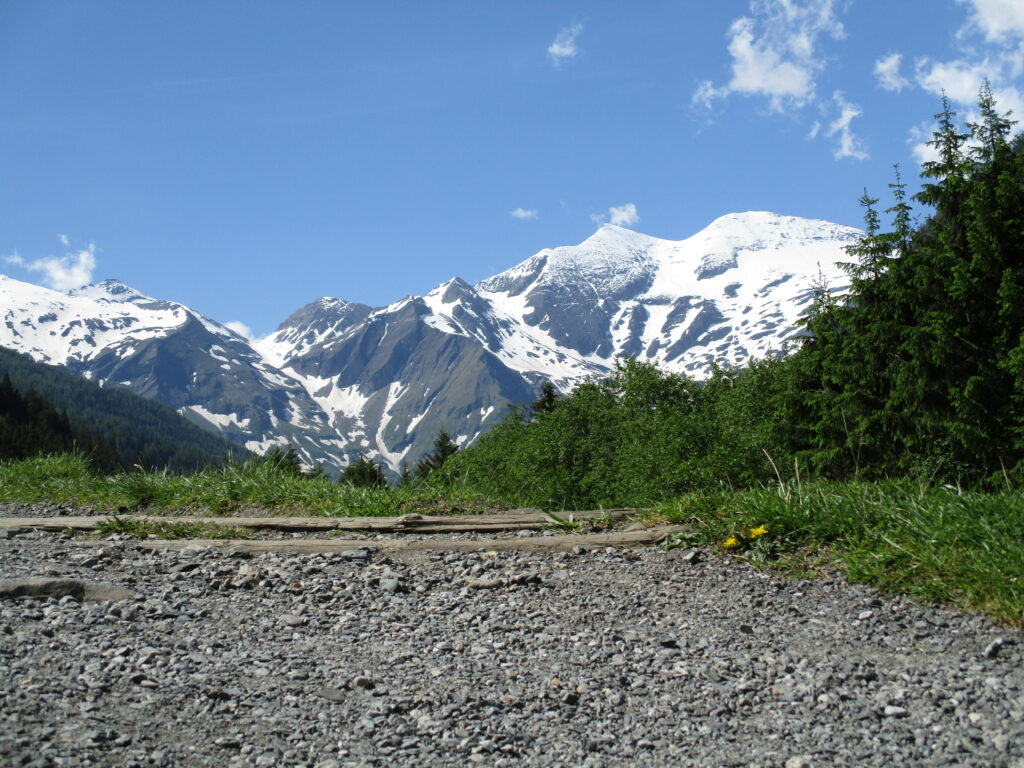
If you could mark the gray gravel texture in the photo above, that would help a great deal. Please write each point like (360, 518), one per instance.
(590, 658)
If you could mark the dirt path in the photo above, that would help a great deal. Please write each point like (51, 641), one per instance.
(214, 654)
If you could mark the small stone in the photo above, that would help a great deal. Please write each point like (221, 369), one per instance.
(331, 694)
(360, 554)
(799, 761)
(992, 649)
(891, 710)
(32, 586)
(865, 615)
(483, 583)
(1000, 742)
(363, 682)
(690, 556)
(291, 620)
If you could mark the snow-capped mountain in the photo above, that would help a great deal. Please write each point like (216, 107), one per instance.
(116, 336)
(339, 378)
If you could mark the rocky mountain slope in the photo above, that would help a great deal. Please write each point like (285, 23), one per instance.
(339, 378)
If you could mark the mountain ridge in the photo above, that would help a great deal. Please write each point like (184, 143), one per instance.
(339, 378)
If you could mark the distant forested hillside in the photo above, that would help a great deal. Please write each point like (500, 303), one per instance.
(31, 426)
(137, 431)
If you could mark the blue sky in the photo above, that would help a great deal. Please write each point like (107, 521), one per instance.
(247, 157)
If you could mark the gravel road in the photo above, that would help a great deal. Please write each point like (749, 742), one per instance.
(590, 658)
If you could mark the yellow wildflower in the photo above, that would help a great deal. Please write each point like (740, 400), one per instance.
(761, 530)
(730, 542)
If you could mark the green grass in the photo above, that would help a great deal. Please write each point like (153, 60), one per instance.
(937, 544)
(934, 543)
(223, 491)
(170, 529)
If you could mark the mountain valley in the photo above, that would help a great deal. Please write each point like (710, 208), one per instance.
(337, 378)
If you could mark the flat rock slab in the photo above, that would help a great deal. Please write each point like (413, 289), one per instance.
(509, 521)
(33, 586)
(644, 538)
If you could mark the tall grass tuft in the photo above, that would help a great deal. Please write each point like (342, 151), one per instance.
(226, 490)
(936, 543)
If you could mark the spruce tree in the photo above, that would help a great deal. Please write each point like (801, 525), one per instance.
(444, 448)
(364, 473)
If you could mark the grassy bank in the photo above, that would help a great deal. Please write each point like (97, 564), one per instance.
(934, 543)
(220, 491)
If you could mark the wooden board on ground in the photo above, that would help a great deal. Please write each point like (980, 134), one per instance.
(563, 543)
(513, 520)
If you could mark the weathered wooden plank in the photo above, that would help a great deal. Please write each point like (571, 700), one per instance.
(644, 538)
(508, 521)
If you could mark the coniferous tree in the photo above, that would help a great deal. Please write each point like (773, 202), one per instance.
(444, 448)
(546, 402)
(364, 473)
(405, 478)
(916, 361)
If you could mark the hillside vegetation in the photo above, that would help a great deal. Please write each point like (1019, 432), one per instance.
(917, 371)
(113, 425)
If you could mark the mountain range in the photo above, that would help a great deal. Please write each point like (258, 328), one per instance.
(338, 378)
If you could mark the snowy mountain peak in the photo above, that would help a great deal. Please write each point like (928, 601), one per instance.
(113, 290)
(450, 291)
(764, 226)
(324, 311)
(611, 236)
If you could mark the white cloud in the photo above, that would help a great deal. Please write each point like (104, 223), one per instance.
(241, 329)
(64, 240)
(998, 20)
(619, 215)
(524, 213)
(961, 79)
(918, 139)
(887, 70)
(848, 144)
(706, 94)
(15, 259)
(71, 270)
(991, 45)
(998, 59)
(775, 52)
(564, 46)
(623, 215)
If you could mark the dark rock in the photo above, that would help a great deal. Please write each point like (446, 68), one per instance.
(33, 586)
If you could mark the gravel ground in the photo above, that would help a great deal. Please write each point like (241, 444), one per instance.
(591, 658)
